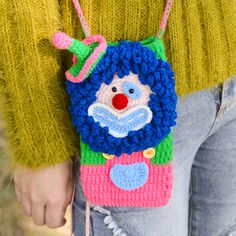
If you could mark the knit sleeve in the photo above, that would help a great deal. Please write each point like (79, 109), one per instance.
(35, 104)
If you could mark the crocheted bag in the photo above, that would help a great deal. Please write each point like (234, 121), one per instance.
(123, 104)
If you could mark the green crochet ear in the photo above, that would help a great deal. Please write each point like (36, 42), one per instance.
(89, 157)
(156, 45)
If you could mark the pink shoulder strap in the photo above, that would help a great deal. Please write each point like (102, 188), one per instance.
(165, 18)
(87, 30)
(82, 19)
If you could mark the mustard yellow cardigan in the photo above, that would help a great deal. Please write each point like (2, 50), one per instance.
(200, 44)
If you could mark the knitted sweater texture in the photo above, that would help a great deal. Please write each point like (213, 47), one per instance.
(200, 44)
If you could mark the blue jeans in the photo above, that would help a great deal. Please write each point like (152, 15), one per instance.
(203, 201)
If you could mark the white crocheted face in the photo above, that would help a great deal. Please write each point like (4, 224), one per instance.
(133, 93)
(122, 106)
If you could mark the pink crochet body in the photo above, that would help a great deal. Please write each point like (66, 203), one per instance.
(99, 189)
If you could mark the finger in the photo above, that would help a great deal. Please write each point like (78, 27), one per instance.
(18, 194)
(26, 205)
(38, 214)
(54, 216)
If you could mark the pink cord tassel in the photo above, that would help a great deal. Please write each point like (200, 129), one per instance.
(87, 223)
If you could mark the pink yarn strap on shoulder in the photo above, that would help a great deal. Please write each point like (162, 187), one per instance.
(82, 19)
(87, 30)
(165, 18)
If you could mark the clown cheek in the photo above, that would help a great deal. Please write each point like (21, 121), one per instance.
(141, 101)
(105, 95)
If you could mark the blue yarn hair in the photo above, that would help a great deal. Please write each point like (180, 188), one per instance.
(121, 59)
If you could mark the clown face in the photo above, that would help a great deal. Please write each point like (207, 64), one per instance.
(127, 104)
(122, 106)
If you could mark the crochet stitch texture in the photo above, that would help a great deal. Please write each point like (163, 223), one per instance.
(199, 41)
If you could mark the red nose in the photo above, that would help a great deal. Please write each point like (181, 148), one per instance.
(120, 101)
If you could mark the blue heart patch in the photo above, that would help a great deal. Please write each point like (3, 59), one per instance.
(129, 176)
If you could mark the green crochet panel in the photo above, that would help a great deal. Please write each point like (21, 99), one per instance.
(164, 151)
(88, 157)
(162, 156)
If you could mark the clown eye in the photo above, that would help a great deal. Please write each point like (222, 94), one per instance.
(131, 90)
(114, 89)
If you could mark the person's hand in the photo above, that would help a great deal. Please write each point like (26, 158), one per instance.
(45, 193)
